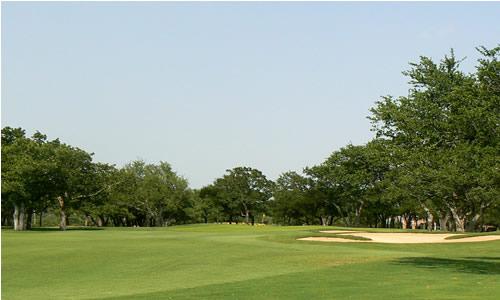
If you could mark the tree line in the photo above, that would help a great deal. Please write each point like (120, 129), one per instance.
(434, 164)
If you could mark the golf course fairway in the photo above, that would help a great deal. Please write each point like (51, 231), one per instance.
(238, 262)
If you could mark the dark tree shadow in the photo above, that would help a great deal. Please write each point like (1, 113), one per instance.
(67, 229)
(469, 265)
(483, 257)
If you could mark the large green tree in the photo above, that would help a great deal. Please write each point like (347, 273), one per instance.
(290, 199)
(18, 168)
(153, 195)
(350, 179)
(448, 124)
(37, 172)
(244, 190)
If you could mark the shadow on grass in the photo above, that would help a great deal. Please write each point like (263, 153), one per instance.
(483, 257)
(67, 229)
(468, 265)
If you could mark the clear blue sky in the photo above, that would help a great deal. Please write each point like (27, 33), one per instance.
(211, 86)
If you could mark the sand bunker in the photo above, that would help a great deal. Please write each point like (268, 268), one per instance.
(400, 238)
(331, 239)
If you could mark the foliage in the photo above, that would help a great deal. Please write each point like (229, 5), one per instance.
(243, 191)
(434, 163)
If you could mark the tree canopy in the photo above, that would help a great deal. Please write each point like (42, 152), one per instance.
(434, 163)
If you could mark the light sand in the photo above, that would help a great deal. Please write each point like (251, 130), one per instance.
(403, 238)
(330, 239)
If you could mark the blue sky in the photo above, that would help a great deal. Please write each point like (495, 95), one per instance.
(211, 86)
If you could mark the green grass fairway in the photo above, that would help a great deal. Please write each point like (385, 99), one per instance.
(238, 262)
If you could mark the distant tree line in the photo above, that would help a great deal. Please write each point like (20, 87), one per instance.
(434, 164)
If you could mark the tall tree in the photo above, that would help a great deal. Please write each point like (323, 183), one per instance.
(245, 189)
(350, 178)
(17, 164)
(449, 124)
(290, 197)
(26, 169)
(155, 194)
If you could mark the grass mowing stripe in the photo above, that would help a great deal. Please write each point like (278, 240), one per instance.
(338, 283)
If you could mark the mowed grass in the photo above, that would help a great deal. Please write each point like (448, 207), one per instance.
(238, 262)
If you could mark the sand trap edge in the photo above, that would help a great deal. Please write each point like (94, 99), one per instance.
(330, 239)
(473, 239)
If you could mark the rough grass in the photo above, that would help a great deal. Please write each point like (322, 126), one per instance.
(346, 236)
(466, 235)
(238, 262)
(349, 237)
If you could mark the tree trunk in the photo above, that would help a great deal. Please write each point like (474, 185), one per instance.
(358, 213)
(247, 213)
(87, 221)
(459, 222)
(443, 220)
(29, 218)
(62, 211)
(472, 226)
(62, 223)
(15, 217)
(404, 222)
(40, 220)
(473, 222)
(159, 221)
(345, 218)
(430, 217)
(19, 217)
